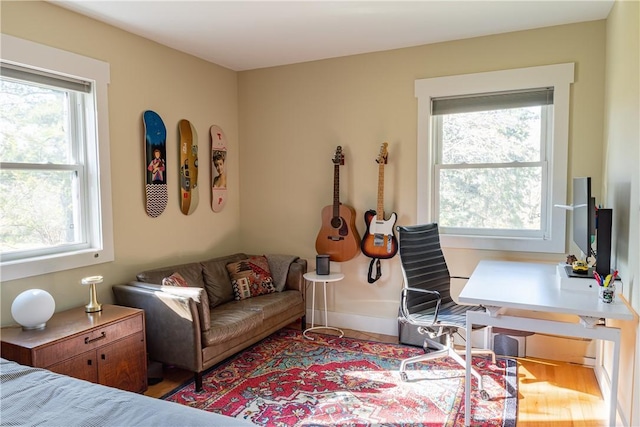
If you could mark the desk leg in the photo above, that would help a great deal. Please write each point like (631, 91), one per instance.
(467, 373)
(613, 393)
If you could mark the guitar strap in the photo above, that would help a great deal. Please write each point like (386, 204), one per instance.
(370, 278)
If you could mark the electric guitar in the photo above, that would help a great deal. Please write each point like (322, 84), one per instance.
(380, 240)
(338, 236)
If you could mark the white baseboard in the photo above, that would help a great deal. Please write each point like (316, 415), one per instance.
(356, 322)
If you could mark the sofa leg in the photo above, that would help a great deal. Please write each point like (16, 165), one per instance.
(303, 323)
(198, 380)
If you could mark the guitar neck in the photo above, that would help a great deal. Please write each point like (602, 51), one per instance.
(336, 191)
(380, 208)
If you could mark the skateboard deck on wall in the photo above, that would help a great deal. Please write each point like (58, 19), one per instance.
(155, 143)
(218, 169)
(188, 167)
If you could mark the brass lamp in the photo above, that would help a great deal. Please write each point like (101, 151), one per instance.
(93, 305)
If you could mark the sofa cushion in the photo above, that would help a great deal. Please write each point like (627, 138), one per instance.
(251, 277)
(228, 322)
(216, 279)
(191, 272)
(272, 304)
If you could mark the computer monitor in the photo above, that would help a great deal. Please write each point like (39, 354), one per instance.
(584, 210)
(591, 224)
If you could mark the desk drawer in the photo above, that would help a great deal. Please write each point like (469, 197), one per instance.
(89, 340)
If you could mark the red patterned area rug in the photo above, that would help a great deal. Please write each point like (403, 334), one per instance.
(287, 380)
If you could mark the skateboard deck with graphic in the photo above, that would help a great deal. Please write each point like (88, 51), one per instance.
(155, 145)
(188, 167)
(218, 168)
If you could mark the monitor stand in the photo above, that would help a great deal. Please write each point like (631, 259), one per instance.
(587, 275)
(569, 271)
(567, 279)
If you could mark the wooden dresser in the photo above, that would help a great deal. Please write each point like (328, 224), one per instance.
(107, 347)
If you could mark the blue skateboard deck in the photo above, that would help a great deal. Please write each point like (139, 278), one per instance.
(155, 143)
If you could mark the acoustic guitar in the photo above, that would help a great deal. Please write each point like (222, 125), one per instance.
(338, 236)
(380, 240)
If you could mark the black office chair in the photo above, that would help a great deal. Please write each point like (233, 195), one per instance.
(426, 298)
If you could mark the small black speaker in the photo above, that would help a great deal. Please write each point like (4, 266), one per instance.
(322, 265)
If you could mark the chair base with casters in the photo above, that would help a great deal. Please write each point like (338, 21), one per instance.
(433, 350)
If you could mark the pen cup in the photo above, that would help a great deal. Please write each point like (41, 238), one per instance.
(607, 293)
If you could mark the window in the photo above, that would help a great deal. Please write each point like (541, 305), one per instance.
(492, 157)
(55, 199)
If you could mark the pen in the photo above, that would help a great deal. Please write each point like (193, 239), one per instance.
(598, 278)
(607, 280)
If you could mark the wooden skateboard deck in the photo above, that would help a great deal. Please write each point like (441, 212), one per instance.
(188, 167)
(218, 169)
(155, 135)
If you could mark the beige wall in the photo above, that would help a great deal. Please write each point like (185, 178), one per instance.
(292, 118)
(144, 75)
(622, 180)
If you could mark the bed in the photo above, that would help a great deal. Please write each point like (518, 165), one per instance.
(32, 396)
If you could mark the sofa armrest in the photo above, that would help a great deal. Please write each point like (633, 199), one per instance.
(172, 322)
(199, 295)
(295, 279)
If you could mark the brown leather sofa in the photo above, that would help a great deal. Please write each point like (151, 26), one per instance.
(198, 326)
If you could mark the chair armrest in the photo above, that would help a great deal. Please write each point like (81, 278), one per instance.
(404, 310)
(172, 321)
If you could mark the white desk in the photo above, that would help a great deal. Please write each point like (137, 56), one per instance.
(501, 285)
(314, 278)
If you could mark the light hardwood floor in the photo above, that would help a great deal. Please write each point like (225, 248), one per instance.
(550, 393)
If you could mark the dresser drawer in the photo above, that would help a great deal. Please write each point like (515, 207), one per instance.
(80, 343)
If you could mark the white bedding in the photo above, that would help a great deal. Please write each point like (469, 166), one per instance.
(37, 397)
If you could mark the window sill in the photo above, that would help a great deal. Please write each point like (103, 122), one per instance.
(21, 269)
(493, 243)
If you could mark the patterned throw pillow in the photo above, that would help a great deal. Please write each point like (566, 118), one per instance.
(250, 277)
(175, 279)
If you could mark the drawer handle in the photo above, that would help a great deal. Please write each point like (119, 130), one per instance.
(102, 336)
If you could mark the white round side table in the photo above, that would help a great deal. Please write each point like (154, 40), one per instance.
(314, 278)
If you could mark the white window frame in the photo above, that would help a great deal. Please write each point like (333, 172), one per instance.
(558, 76)
(98, 166)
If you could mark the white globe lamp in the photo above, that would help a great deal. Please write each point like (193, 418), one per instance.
(33, 308)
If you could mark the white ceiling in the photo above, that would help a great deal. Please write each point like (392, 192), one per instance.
(245, 35)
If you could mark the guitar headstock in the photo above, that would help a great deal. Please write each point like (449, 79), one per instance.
(338, 158)
(382, 157)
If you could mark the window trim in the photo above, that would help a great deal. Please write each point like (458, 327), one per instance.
(558, 76)
(34, 55)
